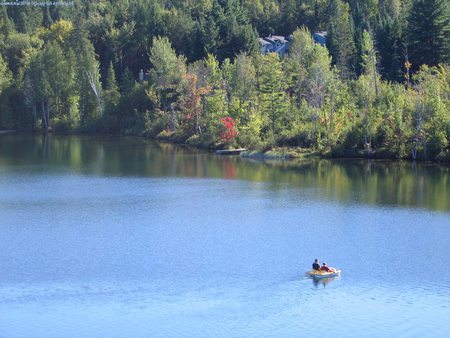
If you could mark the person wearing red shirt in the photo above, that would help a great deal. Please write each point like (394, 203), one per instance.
(325, 268)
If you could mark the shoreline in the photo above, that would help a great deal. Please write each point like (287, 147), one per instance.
(274, 153)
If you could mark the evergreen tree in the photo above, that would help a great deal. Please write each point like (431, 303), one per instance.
(390, 8)
(127, 81)
(111, 82)
(5, 75)
(47, 20)
(367, 89)
(6, 118)
(363, 13)
(87, 73)
(207, 37)
(216, 98)
(60, 77)
(390, 43)
(263, 14)
(429, 32)
(6, 24)
(111, 92)
(273, 103)
(340, 37)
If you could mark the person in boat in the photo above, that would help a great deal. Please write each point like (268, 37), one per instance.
(326, 268)
(316, 264)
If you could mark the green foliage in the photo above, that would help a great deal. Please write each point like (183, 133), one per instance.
(111, 92)
(272, 95)
(215, 101)
(5, 75)
(429, 32)
(201, 64)
(432, 118)
(127, 81)
(340, 37)
(390, 37)
(250, 132)
(167, 74)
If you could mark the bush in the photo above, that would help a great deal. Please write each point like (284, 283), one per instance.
(302, 138)
(437, 143)
(155, 127)
(201, 141)
(63, 123)
(443, 156)
(248, 139)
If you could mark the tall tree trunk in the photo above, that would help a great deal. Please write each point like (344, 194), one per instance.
(93, 85)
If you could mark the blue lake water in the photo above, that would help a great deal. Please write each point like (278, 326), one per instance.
(110, 237)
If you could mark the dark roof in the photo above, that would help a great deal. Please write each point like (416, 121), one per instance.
(280, 38)
(322, 34)
(271, 39)
(263, 42)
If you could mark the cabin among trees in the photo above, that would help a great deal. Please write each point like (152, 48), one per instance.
(274, 44)
(320, 38)
(280, 44)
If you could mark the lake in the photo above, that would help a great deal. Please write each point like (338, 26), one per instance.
(123, 237)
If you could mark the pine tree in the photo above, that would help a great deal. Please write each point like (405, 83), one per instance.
(47, 20)
(340, 37)
(363, 11)
(367, 88)
(6, 116)
(236, 34)
(273, 102)
(60, 76)
(87, 72)
(216, 99)
(6, 24)
(429, 33)
(112, 94)
(390, 43)
(127, 81)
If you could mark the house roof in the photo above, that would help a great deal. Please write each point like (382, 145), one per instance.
(272, 39)
(322, 34)
(280, 38)
(263, 42)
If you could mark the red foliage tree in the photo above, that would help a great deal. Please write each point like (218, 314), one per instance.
(230, 131)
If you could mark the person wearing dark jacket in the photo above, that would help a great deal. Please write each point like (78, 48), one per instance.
(316, 265)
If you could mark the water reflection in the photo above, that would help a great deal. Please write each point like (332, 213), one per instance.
(369, 182)
(323, 282)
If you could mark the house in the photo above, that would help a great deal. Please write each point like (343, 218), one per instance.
(280, 44)
(274, 44)
(320, 38)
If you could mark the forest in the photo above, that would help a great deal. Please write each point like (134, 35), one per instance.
(191, 71)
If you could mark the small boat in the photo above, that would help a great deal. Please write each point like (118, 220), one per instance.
(230, 151)
(323, 274)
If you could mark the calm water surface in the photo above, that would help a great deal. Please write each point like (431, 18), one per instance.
(110, 237)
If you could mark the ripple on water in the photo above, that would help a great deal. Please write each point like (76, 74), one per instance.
(287, 309)
(157, 244)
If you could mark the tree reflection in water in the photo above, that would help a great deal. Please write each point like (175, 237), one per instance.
(371, 182)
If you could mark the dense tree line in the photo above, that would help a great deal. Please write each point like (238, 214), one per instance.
(381, 83)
